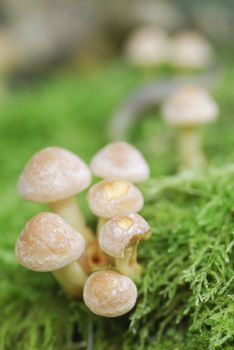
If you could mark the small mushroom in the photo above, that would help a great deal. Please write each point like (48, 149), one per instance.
(147, 47)
(55, 175)
(119, 238)
(191, 50)
(120, 160)
(48, 244)
(109, 294)
(186, 109)
(112, 197)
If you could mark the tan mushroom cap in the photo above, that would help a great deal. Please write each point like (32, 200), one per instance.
(53, 174)
(191, 50)
(121, 232)
(48, 243)
(109, 294)
(112, 197)
(120, 160)
(189, 106)
(147, 46)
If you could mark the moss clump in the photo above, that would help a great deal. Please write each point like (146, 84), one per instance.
(189, 280)
(186, 294)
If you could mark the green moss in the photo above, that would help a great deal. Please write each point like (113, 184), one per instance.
(186, 294)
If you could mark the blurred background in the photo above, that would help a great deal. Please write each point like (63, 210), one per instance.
(42, 35)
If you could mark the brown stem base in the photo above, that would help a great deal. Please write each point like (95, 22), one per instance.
(93, 258)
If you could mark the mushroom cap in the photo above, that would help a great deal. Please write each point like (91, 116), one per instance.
(48, 243)
(112, 197)
(147, 46)
(109, 294)
(191, 50)
(120, 160)
(189, 106)
(121, 232)
(53, 174)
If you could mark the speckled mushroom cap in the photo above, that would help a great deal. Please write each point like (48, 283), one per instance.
(53, 174)
(120, 160)
(109, 294)
(48, 243)
(191, 50)
(121, 232)
(147, 46)
(112, 197)
(189, 106)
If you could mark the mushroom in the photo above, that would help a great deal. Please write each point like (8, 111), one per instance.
(120, 160)
(112, 197)
(188, 108)
(54, 175)
(119, 238)
(147, 47)
(109, 294)
(191, 50)
(48, 244)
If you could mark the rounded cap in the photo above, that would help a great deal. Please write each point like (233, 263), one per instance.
(120, 160)
(147, 46)
(53, 174)
(189, 106)
(121, 232)
(48, 243)
(109, 294)
(191, 50)
(112, 197)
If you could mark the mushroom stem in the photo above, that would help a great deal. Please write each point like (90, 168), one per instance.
(72, 278)
(191, 156)
(69, 210)
(100, 224)
(128, 265)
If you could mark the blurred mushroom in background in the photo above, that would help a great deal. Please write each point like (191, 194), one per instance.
(187, 109)
(147, 46)
(190, 50)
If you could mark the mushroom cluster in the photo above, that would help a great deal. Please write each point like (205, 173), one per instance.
(103, 266)
(151, 46)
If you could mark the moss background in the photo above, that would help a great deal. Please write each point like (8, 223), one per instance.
(186, 299)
